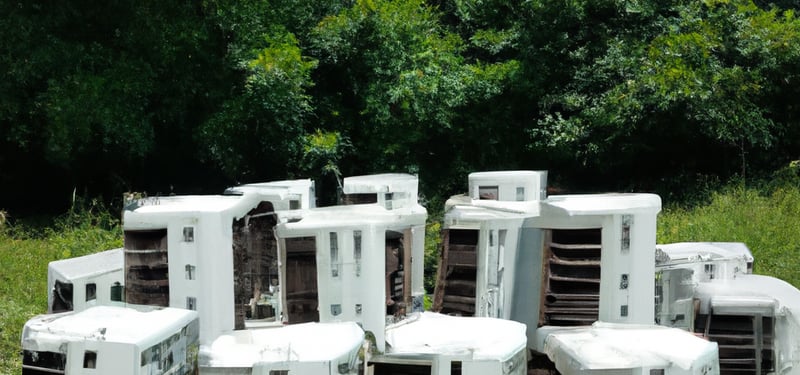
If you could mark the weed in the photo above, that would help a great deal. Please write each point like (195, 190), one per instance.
(24, 255)
(764, 219)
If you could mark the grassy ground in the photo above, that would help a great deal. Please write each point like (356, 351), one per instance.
(765, 219)
(769, 223)
(24, 255)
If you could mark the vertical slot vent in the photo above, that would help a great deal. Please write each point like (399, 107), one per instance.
(571, 285)
(146, 267)
(302, 299)
(255, 265)
(455, 285)
(745, 342)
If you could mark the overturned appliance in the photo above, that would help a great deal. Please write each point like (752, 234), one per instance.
(309, 348)
(218, 255)
(75, 284)
(638, 349)
(707, 288)
(196, 252)
(363, 262)
(112, 340)
(286, 195)
(558, 262)
(358, 262)
(436, 344)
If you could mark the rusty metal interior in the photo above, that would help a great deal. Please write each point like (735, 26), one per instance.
(301, 280)
(571, 284)
(146, 267)
(255, 263)
(745, 341)
(398, 282)
(456, 281)
(359, 198)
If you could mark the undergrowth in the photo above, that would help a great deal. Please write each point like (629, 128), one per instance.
(766, 221)
(25, 251)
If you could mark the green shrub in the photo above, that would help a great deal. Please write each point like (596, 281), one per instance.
(433, 242)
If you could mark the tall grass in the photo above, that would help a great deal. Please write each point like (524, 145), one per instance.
(766, 219)
(25, 252)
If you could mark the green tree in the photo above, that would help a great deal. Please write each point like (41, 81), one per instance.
(102, 96)
(260, 130)
(396, 83)
(689, 90)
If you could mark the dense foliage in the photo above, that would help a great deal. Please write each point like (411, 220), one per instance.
(169, 97)
(763, 217)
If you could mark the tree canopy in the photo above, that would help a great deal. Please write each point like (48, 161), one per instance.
(606, 94)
